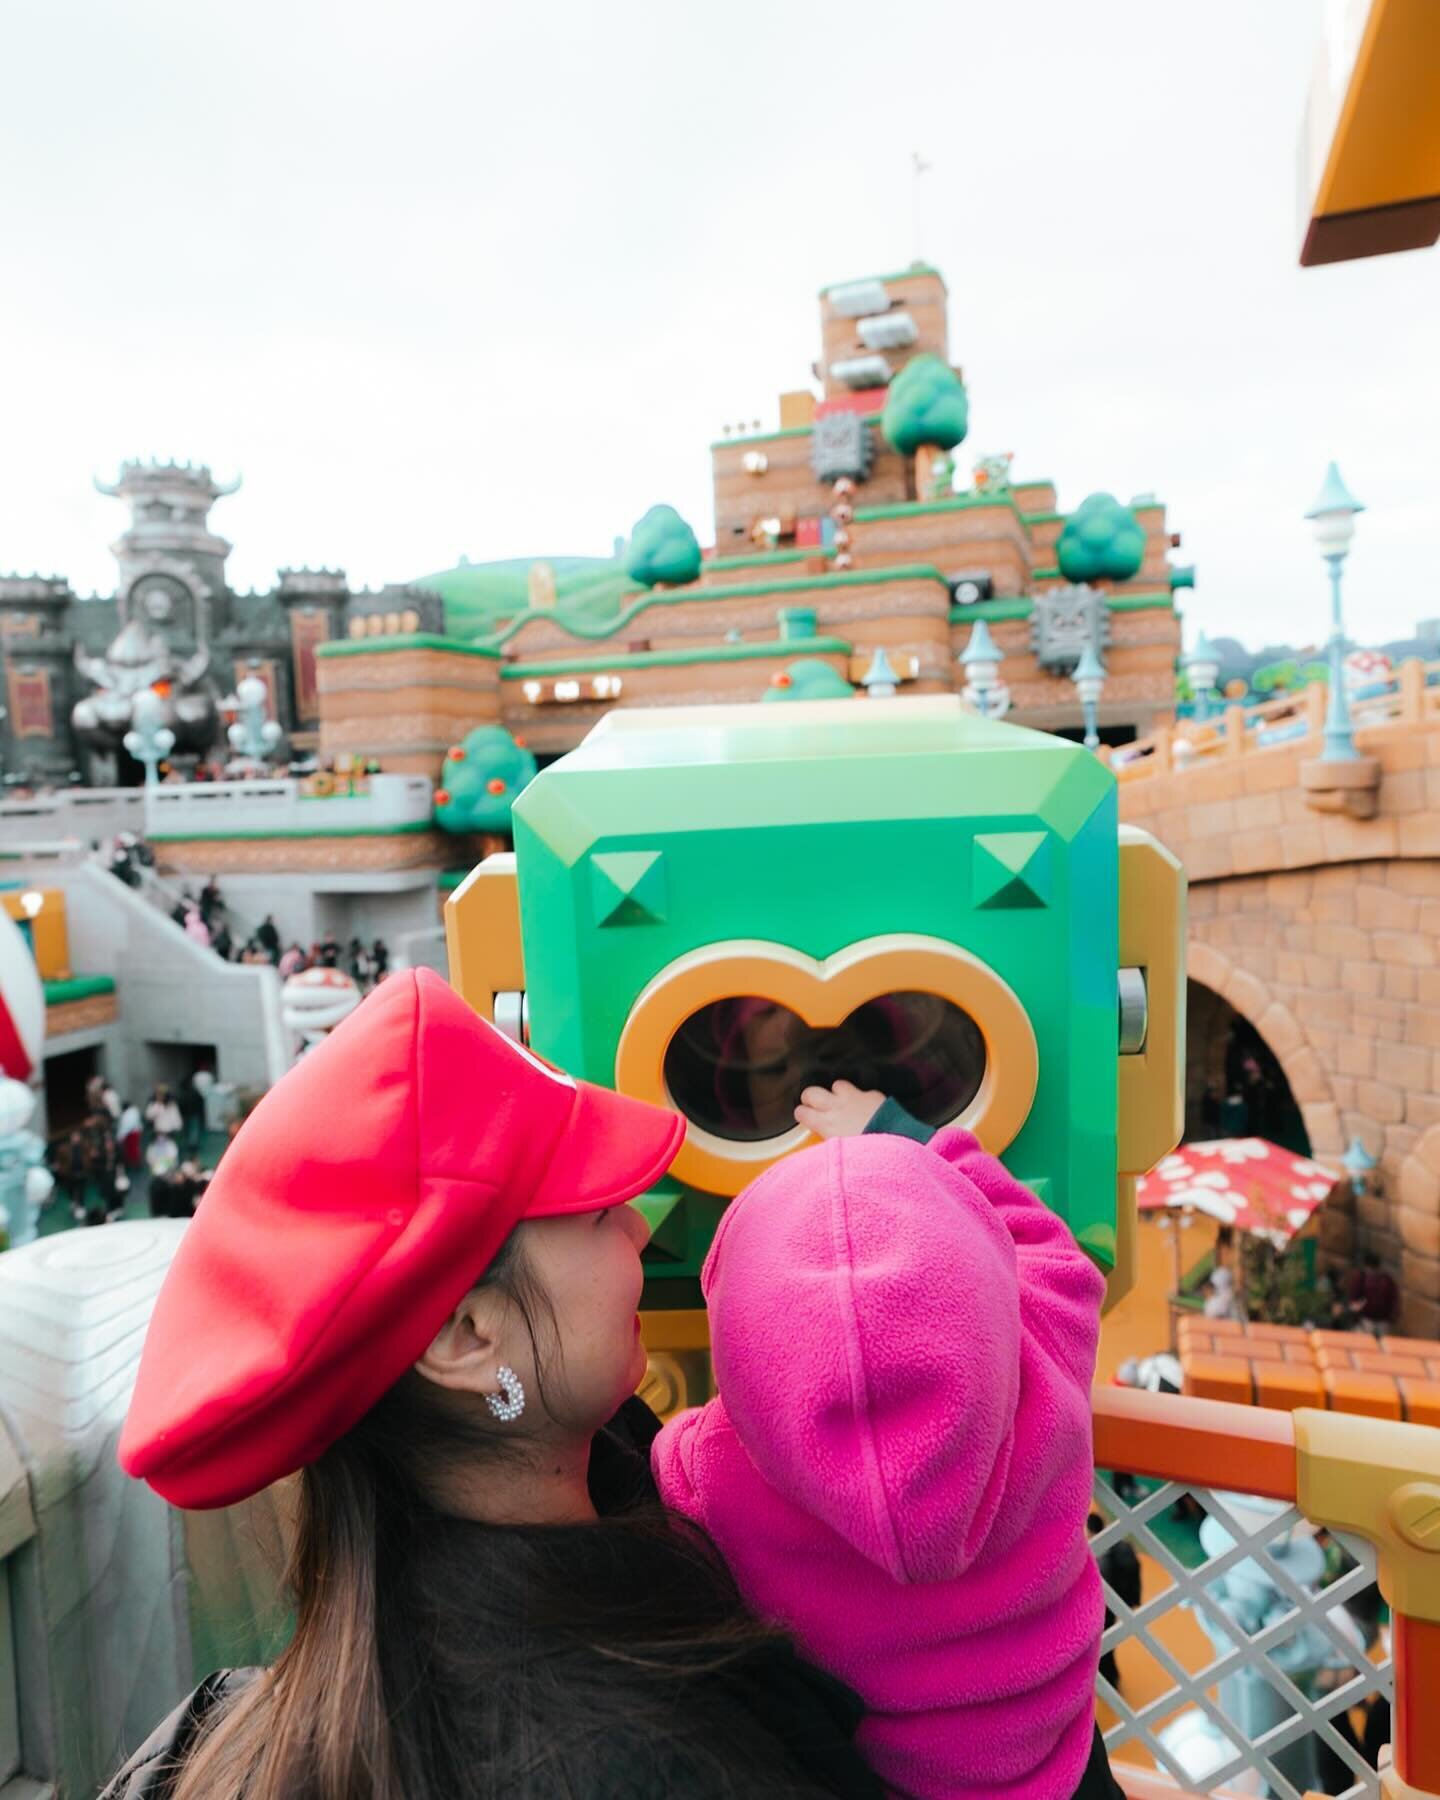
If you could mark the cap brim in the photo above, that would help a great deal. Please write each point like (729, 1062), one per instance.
(613, 1149)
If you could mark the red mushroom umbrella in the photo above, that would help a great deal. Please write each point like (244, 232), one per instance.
(1249, 1183)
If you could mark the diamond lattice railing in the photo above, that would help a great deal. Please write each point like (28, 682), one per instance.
(1290, 1652)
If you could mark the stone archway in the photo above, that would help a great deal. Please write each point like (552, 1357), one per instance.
(1282, 1032)
(1417, 1221)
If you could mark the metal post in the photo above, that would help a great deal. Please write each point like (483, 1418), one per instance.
(1091, 709)
(1339, 736)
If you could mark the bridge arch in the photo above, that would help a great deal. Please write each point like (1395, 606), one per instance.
(1281, 1033)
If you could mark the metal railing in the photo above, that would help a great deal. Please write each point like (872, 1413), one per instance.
(1258, 1699)
(1408, 697)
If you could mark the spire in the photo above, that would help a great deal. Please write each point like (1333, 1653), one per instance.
(880, 680)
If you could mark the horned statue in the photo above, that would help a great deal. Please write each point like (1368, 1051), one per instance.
(138, 660)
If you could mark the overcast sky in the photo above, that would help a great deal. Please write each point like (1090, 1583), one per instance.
(440, 278)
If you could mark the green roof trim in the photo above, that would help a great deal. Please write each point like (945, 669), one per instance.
(1040, 481)
(919, 268)
(78, 987)
(914, 509)
(1020, 606)
(737, 590)
(786, 431)
(1046, 575)
(292, 831)
(414, 640)
(1162, 602)
(993, 611)
(764, 559)
(677, 659)
(1050, 518)
(449, 879)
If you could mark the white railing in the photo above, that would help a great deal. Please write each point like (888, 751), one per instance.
(86, 813)
(280, 806)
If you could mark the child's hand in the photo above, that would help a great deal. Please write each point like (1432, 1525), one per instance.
(840, 1111)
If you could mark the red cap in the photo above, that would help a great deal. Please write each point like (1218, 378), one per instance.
(358, 1204)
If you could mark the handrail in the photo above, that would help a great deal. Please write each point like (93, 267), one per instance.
(1175, 1438)
(1410, 696)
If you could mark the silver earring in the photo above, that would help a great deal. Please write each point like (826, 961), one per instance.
(513, 1403)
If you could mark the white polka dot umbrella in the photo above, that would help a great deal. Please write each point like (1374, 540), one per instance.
(1249, 1183)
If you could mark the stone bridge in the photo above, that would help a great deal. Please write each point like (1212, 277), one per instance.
(1315, 917)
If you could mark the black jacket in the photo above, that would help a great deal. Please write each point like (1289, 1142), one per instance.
(810, 1717)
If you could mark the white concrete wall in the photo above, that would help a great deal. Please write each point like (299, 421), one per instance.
(170, 989)
(385, 904)
(246, 807)
(83, 813)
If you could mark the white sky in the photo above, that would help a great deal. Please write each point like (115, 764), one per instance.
(442, 277)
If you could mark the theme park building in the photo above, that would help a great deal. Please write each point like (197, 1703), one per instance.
(831, 544)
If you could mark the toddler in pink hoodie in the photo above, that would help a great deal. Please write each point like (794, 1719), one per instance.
(898, 1465)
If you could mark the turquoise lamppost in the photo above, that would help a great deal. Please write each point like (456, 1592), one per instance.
(1332, 519)
(1358, 1164)
(1202, 665)
(1089, 679)
(253, 735)
(149, 740)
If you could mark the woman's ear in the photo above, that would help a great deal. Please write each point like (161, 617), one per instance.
(464, 1355)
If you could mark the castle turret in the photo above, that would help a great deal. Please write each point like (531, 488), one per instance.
(172, 565)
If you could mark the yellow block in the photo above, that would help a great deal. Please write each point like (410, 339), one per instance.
(1373, 172)
(49, 932)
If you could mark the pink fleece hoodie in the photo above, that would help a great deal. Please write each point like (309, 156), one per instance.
(898, 1466)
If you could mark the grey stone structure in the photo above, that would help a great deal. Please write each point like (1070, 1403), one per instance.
(171, 582)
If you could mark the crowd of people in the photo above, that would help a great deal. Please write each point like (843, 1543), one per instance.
(97, 1162)
(1362, 1296)
(205, 920)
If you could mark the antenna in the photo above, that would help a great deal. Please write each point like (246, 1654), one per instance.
(918, 169)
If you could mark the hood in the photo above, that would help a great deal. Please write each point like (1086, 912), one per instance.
(865, 1327)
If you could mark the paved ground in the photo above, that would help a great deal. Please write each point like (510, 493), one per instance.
(56, 1213)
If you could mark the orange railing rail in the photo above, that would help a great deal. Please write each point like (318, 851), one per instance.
(1373, 1484)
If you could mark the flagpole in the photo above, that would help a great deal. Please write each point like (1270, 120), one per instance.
(919, 168)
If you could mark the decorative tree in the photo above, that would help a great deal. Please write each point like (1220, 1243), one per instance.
(662, 547)
(926, 406)
(482, 777)
(1102, 540)
(808, 679)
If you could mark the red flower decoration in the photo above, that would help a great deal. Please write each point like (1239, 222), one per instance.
(441, 797)
(455, 753)
(495, 785)
(782, 680)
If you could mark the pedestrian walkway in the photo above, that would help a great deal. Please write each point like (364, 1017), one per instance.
(55, 1215)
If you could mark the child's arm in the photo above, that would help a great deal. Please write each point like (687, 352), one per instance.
(1060, 1288)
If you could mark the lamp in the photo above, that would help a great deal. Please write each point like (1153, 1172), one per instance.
(981, 660)
(1332, 521)
(1089, 679)
(880, 679)
(1357, 1163)
(32, 903)
(1202, 665)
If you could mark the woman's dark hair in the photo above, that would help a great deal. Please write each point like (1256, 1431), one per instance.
(438, 1658)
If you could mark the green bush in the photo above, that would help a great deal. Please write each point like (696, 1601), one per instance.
(808, 679)
(662, 547)
(1102, 540)
(480, 780)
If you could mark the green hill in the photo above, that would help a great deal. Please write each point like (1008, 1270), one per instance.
(480, 596)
